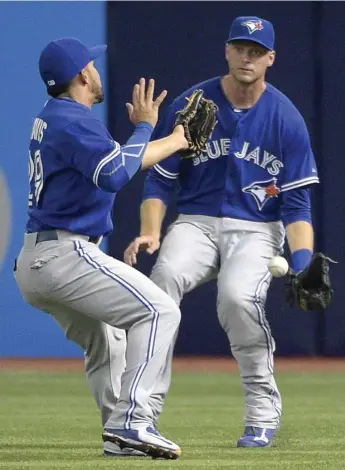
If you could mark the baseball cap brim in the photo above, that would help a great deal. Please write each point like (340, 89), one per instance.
(97, 51)
(246, 38)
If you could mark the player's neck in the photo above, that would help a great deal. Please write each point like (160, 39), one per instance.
(241, 95)
(79, 97)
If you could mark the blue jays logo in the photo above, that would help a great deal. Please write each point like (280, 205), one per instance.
(253, 25)
(262, 191)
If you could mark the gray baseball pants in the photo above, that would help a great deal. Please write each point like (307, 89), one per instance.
(197, 249)
(98, 300)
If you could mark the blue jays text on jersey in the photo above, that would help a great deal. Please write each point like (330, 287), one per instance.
(254, 156)
(76, 169)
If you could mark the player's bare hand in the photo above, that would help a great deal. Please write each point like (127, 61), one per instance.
(148, 243)
(179, 133)
(143, 106)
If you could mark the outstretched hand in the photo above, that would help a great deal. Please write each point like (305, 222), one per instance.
(143, 106)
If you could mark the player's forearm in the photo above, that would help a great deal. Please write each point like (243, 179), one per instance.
(158, 150)
(119, 166)
(300, 237)
(152, 213)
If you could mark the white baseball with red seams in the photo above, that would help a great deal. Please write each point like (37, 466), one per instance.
(278, 266)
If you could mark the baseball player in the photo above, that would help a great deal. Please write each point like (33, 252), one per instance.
(236, 201)
(75, 170)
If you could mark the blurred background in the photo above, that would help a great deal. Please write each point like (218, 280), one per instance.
(178, 44)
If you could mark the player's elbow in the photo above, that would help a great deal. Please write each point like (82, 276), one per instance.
(113, 183)
(156, 188)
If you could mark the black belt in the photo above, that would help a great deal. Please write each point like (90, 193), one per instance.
(49, 235)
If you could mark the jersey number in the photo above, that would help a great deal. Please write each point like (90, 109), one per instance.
(35, 177)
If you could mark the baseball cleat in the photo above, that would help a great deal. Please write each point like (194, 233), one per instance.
(256, 437)
(146, 440)
(114, 450)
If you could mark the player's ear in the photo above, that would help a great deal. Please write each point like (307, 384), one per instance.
(271, 57)
(227, 52)
(84, 76)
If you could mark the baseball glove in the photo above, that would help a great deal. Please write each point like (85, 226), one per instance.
(311, 288)
(199, 118)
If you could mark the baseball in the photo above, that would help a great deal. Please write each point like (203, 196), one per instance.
(278, 266)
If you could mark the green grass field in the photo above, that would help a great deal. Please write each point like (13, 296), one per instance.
(49, 420)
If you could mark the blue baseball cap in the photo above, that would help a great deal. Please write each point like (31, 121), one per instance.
(252, 28)
(63, 59)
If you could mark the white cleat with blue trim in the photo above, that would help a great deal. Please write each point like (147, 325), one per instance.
(146, 440)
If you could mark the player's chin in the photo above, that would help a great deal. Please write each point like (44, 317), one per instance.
(246, 79)
(99, 98)
(244, 76)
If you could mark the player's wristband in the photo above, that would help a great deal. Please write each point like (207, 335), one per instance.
(300, 259)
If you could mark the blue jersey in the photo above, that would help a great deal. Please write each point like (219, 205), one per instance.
(254, 156)
(76, 168)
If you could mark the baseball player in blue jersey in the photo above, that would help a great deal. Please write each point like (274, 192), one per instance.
(75, 170)
(236, 201)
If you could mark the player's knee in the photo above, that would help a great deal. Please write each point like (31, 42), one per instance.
(231, 306)
(169, 279)
(243, 319)
(174, 311)
(168, 309)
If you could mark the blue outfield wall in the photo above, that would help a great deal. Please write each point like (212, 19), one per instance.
(25, 28)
